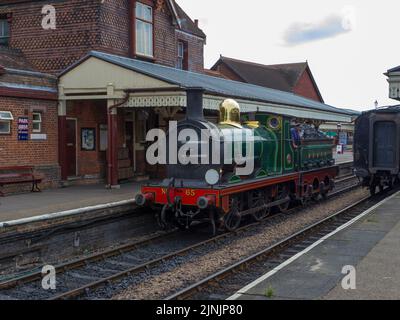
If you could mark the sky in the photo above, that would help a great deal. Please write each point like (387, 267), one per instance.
(348, 44)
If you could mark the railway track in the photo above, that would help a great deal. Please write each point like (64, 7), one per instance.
(82, 276)
(224, 283)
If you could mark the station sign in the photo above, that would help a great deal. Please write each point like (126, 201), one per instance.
(23, 128)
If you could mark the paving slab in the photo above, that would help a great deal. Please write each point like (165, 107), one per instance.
(29, 205)
(371, 245)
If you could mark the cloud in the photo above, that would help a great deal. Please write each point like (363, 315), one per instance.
(331, 26)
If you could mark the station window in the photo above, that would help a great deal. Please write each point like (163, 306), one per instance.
(36, 122)
(4, 32)
(144, 30)
(182, 56)
(5, 122)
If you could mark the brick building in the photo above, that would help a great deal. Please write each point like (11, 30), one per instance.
(158, 31)
(296, 78)
(28, 98)
(155, 31)
(122, 67)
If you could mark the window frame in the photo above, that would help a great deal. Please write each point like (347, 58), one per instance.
(182, 61)
(137, 20)
(6, 38)
(40, 122)
(6, 117)
(9, 118)
(8, 122)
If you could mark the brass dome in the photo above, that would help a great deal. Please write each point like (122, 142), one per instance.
(229, 113)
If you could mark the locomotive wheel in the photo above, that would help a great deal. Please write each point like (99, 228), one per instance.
(262, 213)
(181, 226)
(324, 190)
(282, 194)
(307, 195)
(233, 218)
(305, 201)
(161, 225)
(213, 225)
(284, 207)
(372, 190)
(165, 221)
(315, 196)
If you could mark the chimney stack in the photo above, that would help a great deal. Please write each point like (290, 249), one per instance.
(196, 22)
(194, 104)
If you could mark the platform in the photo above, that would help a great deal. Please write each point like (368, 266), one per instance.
(370, 244)
(20, 206)
(343, 158)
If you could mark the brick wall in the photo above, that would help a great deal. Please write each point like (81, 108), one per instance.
(43, 155)
(89, 114)
(305, 87)
(53, 50)
(228, 73)
(84, 25)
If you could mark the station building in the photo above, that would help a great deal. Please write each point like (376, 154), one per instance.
(121, 68)
(124, 89)
(296, 78)
(28, 117)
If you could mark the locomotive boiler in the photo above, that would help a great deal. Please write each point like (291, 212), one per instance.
(212, 187)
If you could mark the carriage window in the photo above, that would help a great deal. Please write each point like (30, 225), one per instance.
(144, 30)
(4, 32)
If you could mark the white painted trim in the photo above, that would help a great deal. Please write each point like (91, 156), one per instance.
(212, 103)
(295, 257)
(62, 214)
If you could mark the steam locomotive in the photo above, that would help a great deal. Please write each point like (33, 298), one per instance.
(377, 148)
(218, 192)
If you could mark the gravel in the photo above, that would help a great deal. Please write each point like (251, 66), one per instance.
(171, 276)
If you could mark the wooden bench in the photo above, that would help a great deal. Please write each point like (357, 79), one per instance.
(19, 175)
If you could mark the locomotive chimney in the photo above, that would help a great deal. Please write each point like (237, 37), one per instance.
(194, 108)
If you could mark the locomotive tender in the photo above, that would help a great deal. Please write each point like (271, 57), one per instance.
(216, 194)
(377, 148)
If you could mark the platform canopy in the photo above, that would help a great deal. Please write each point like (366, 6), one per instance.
(104, 76)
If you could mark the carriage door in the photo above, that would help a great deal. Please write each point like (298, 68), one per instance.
(384, 144)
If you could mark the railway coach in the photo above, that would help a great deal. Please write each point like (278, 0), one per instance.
(377, 148)
(216, 193)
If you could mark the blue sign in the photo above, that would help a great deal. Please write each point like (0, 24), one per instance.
(343, 138)
(23, 128)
